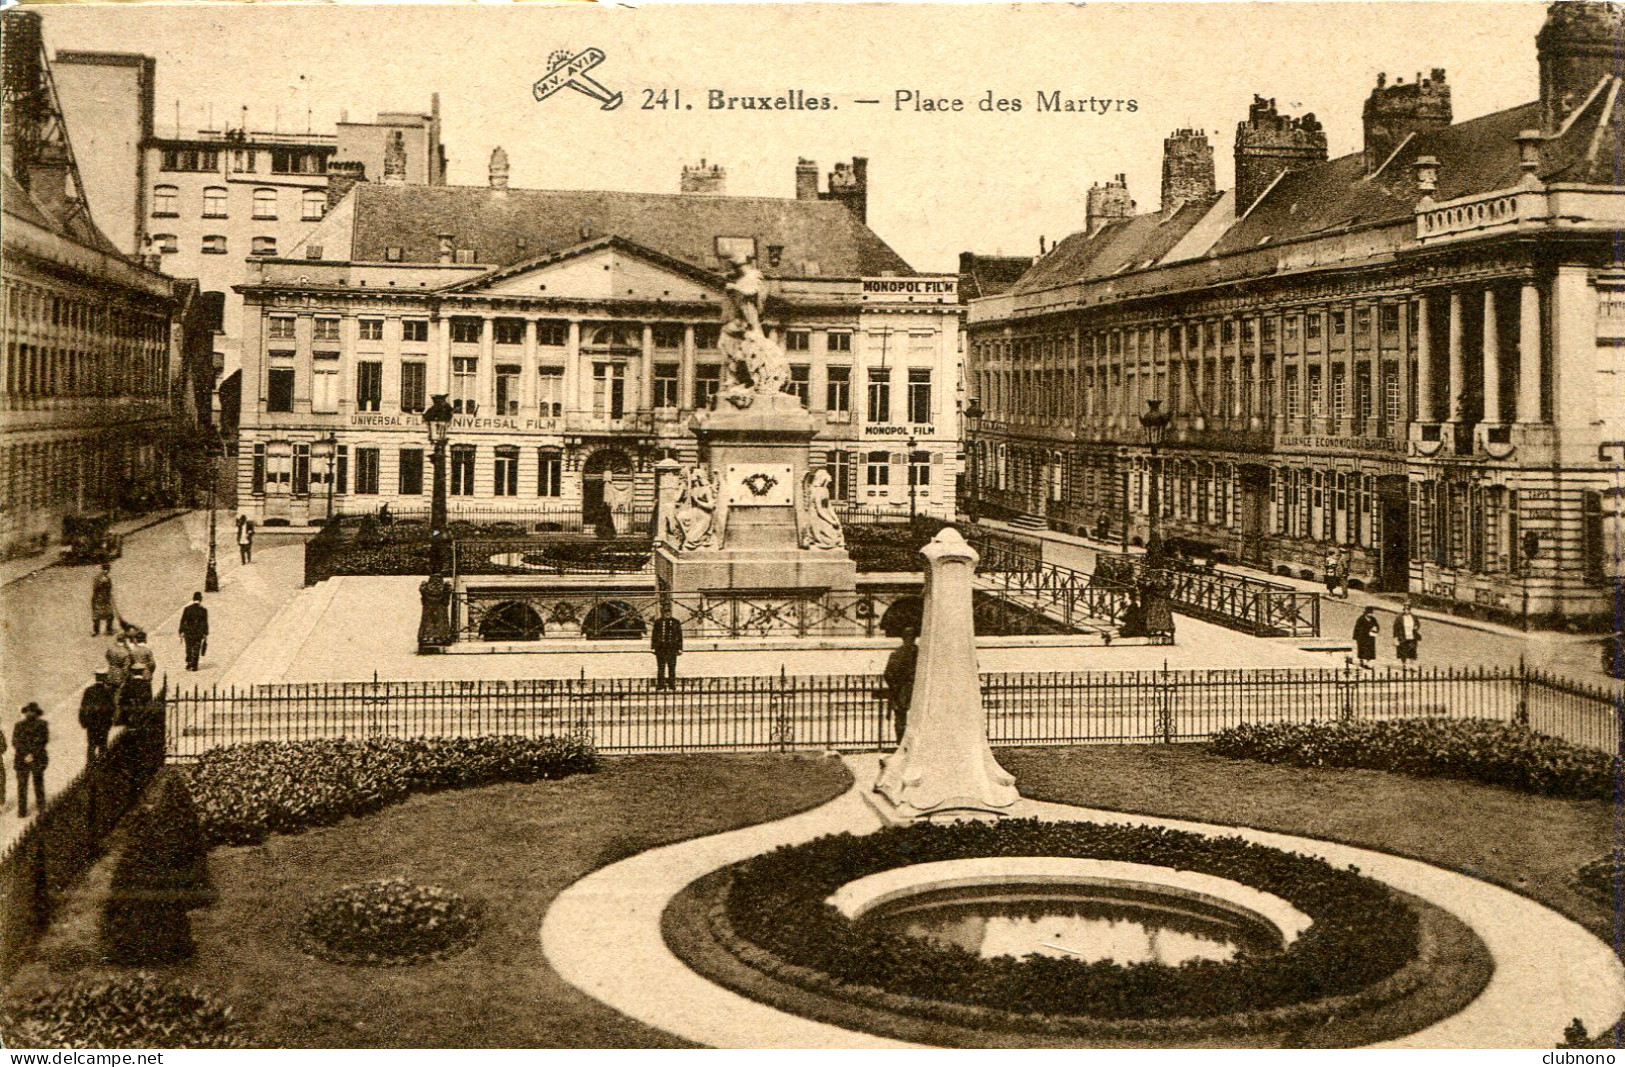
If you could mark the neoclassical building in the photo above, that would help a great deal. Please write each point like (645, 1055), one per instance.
(1411, 351)
(575, 334)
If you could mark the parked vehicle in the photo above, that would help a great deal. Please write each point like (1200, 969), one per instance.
(89, 538)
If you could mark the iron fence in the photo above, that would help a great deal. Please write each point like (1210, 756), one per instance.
(1073, 597)
(851, 712)
(1235, 601)
(554, 557)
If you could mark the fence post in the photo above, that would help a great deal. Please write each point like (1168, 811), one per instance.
(1520, 717)
(783, 730)
(1165, 706)
(1345, 687)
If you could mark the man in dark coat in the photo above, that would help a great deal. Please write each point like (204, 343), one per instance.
(96, 708)
(900, 681)
(195, 630)
(666, 638)
(28, 741)
(1366, 629)
(101, 600)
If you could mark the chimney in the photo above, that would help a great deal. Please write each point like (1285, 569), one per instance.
(1577, 47)
(1267, 144)
(395, 159)
(341, 178)
(447, 252)
(704, 180)
(499, 170)
(806, 179)
(1107, 202)
(1395, 112)
(848, 184)
(1187, 169)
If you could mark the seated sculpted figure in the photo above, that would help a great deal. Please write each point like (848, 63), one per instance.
(823, 525)
(692, 522)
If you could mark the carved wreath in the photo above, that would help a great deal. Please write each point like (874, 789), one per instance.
(760, 484)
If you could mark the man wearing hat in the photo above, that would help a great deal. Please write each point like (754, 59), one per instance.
(28, 740)
(195, 630)
(137, 692)
(96, 708)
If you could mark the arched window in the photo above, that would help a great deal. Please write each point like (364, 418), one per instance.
(264, 246)
(313, 205)
(214, 245)
(164, 201)
(616, 337)
(214, 202)
(265, 203)
(164, 242)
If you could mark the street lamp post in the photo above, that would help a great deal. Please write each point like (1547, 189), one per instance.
(1155, 421)
(331, 442)
(211, 574)
(913, 480)
(434, 625)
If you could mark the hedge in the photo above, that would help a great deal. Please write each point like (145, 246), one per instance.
(161, 873)
(1478, 750)
(1361, 934)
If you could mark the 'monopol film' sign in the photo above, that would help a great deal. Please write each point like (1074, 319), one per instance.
(940, 290)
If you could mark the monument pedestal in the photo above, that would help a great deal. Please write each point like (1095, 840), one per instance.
(759, 455)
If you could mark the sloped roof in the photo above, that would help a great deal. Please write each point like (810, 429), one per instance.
(507, 226)
(619, 244)
(989, 275)
(1120, 245)
(21, 203)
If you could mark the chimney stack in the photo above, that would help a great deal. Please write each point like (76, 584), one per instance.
(1107, 202)
(1267, 144)
(705, 180)
(806, 180)
(395, 159)
(1395, 112)
(498, 176)
(1187, 169)
(1578, 46)
(849, 184)
(341, 178)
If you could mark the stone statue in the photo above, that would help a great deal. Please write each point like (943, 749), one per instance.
(822, 527)
(757, 367)
(744, 291)
(693, 524)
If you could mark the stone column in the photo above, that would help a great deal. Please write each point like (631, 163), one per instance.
(1492, 359)
(444, 356)
(572, 372)
(485, 383)
(1528, 354)
(646, 372)
(944, 763)
(1425, 411)
(528, 372)
(685, 373)
(1402, 368)
(1453, 384)
(1236, 381)
(1255, 395)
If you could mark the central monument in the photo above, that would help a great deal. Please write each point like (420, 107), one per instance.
(750, 516)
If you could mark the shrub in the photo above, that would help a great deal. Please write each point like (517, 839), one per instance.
(132, 1011)
(389, 922)
(1360, 935)
(246, 792)
(1603, 879)
(161, 873)
(1478, 750)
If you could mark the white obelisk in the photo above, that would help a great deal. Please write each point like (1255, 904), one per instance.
(945, 763)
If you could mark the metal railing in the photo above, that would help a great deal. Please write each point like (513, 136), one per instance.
(850, 712)
(1073, 597)
(542, 556)
(1235, 601)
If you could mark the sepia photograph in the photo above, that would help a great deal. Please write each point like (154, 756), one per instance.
(812, 526)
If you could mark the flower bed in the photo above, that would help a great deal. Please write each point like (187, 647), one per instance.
(244, 793)
(1603, 879)
(774, 916)
(389, 922)
(1478, 750)
(133, 1011)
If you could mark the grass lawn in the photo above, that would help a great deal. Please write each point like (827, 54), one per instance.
(513, 846)
(1529, 844)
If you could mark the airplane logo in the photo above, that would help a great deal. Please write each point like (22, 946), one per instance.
(570, 71)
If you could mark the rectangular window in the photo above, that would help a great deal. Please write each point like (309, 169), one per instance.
(279, 389)
(919, 394)
(256, 478)
(465, 331)
(165, 201)
(1228, 330)
(301, 470)
(1362, 320)
(838, 342)
(214, 202)
(550, 391)
(313, 205)
(668, 336)
(324, 385)
(1294, 399)
(281, 327)
(414, 387)
(1340, 323)
(1316, 408)
(414, 329)
(326, 330)
(877, 469)
(549, 473)
(552, 333)
(1311, 325)
(462, 470)
(464, 373)
(797, 341)
(666, 381)
(508, 389)
(707, 380)
(509, 331)
(366, 471)
(879, 394)
(609, 390)
(1390, 392)
(411, 479)
(800, 382)
(840, 473)
(369, 385)
(371, 330)
(505, 479)
(838, 390)
(1388, 318)
(265, 203)
(919, 469)
(1339, 393)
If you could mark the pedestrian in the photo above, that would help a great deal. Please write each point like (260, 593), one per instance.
(137, 691)
(245, 538)
(1407, 635)
(28, 741)
(118, 663)
(1366, 629)
(195, 630)
(666, 638)
(1156, 607)
(899, 676)
(101, 600)
(1329, 571)
(96, 710)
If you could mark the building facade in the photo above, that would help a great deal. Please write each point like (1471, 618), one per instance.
(1410, 352)
(575, 334)
(92, 409)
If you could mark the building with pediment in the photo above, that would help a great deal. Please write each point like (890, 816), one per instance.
(1410, 352)
(575, 333)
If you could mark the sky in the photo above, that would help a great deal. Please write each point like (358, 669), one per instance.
(941, 181)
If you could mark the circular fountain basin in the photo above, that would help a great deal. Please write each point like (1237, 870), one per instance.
(1081, 909)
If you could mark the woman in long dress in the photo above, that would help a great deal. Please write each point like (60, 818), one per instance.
(823, 525)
